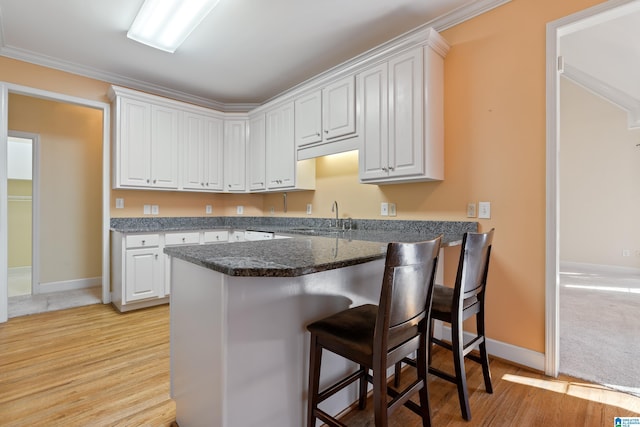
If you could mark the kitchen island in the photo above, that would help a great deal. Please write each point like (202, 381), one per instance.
(239, 348)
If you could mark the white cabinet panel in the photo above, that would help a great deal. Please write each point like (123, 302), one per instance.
(339, 108)
(134, 136)
(281, 160)
(235, 155)
(144, 274)
(374, 121)
(308, 120)
(256, 154)
(202, 152)
(164, 147)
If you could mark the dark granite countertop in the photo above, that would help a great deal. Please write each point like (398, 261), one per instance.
(312, 247)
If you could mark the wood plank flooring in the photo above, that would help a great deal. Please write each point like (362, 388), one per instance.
(91, 366)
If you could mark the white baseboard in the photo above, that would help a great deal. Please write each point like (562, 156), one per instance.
(67, 285)
(510, 352)
(584, 266)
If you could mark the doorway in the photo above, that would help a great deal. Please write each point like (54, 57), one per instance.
(97, 197)
(556, 65)
(22, 204)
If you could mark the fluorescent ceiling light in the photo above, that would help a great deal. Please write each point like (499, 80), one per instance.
(165, 24)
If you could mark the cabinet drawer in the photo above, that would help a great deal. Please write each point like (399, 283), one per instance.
(142, 240)
(191, 238)
(216, 236)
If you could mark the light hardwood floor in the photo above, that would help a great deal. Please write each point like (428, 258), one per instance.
(91, 366)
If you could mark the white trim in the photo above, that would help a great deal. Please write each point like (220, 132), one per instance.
(5, 88)
(519, 355)
(555, 29)
(66, 285)
(443, 22)
(604, 90)
(4, 238)
(605, 268)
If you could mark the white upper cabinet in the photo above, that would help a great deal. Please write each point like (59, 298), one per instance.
(146, 144)
(284, 172)
(401, 118)
(202, 152)
(256, 153)
(235, 149)
(325, 116)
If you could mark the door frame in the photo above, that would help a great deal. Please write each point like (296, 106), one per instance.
(555, 30)
(5, 89)
(35, 202)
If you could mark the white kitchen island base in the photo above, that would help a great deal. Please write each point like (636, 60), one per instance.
(239, 346)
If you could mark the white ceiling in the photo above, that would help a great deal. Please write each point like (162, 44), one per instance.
(245, 51)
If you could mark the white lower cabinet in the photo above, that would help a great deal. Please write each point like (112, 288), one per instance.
(141, 271)
(138, 270)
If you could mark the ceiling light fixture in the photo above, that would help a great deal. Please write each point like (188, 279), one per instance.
(165, 24)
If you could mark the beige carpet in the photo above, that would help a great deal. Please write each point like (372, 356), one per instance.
(600, 326)
(31, 304)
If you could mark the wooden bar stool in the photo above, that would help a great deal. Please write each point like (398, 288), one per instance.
(456, 304)
(377, 337)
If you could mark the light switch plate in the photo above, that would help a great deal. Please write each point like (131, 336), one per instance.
(208, 209)
(155, 209)
(147, 209)
(484, 210)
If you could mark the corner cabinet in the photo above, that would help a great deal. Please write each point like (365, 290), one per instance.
(283, 170)
(401, 117)
(146, 136)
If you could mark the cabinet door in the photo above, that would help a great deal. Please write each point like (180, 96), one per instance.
(164, 147)
(406, 79)
(256, 151)
(373, 92)
(281, 155)
(135, 143)
(235, 155)
(339, 108)
(144, 274)
(308, 119)
(193, 152)
(213, 156)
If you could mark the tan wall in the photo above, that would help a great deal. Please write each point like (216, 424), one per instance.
(495, 151)
(598, 182)
(70, 185)
(19, 223)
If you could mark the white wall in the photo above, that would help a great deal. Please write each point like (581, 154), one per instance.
(599, 181)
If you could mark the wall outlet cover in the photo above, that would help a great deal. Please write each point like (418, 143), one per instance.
(471, 210)
(155, 209)
(392, 209)
(240, 210)
(384, 209)
(119, 203)
(309, 208)
(208, 209)
(146, 210)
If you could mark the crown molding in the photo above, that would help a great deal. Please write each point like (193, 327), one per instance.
(451, 19)
(617, 97)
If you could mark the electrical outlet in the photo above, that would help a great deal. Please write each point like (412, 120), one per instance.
(471, 210)
(155, 209)
(240, 210)
(208, 209)
(626, 252)
(384, 209)
(147, 209)
(119, 203)
(309, 207)
(392, 209)
(484, 210)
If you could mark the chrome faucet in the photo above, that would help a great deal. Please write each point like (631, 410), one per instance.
(334, 208)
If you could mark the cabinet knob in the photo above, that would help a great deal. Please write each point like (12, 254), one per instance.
(154, 181)
(384, 169)
(143, 242)
(202, 184)
(390, 168)
(156, 256)
(326, 131)
(229, 185)
(147, 181)
(184, 239)
(207, 184)
(317, 133)
(217, 237)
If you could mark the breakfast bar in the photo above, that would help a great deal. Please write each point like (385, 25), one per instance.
(239, 348)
